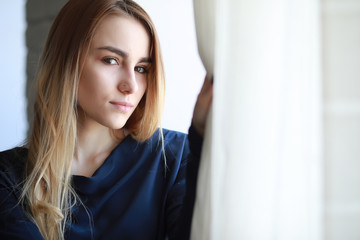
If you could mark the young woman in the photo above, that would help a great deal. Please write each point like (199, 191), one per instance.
(97, 165)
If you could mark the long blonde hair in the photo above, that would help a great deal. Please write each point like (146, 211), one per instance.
(47, 192)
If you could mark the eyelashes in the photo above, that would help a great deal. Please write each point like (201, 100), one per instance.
(110, 61)
(141, 69)
(114, 61)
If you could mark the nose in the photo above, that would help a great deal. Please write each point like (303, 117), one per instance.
(128, 83)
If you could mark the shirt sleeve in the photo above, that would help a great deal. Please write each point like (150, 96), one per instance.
(14, 223)
(182, 194)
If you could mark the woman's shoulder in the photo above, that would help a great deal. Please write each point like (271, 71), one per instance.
(175, 144)
(192, 141)
(13, 157)
(171, 135)
(12, 163)
(174, 139)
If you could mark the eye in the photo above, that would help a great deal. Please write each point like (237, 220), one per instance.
(110, 60)
(141, 70)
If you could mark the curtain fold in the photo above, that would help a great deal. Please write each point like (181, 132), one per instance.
(260, 174)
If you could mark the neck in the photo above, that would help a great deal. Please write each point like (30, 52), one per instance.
(94, 144)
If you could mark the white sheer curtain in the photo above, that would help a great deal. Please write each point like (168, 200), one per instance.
(260, 174)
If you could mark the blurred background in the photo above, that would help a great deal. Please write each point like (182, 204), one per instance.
(13, 121)
(341, 96)
(24, 25)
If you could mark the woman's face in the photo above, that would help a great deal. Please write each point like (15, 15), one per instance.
(113, 80)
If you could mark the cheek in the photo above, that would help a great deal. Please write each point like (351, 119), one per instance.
(92, 84)
(141, 93)
(143, 87)
(83, 95)
(88, 88)
(82, 90)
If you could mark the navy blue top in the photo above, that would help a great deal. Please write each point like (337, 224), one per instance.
(133, 195)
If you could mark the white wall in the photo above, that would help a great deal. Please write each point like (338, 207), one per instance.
(12, 73)
(184, 71)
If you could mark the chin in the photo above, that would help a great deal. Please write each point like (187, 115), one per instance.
(115, 122)
(116, 126)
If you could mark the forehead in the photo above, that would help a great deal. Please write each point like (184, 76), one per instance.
(124, 32)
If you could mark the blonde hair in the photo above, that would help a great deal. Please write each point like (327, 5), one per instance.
(47, 192)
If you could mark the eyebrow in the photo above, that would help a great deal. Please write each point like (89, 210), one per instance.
(124, 54)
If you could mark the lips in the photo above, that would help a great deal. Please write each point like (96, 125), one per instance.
(122, 106)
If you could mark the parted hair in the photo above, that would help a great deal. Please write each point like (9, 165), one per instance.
(47, 193)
